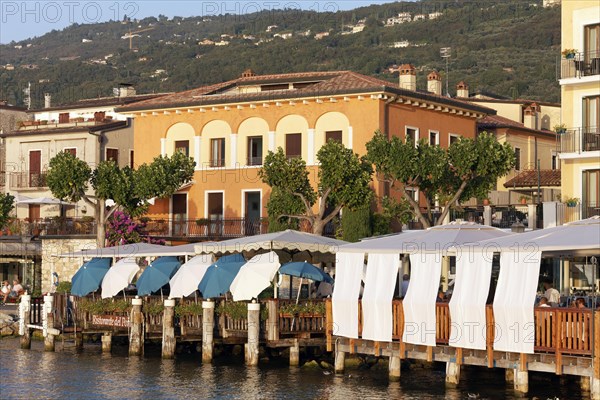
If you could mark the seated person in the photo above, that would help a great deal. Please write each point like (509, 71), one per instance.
(17, 290)
(324, 290)
(543, 302)
(440, 297)
(5, 291)
(580, 302)
(551, 293)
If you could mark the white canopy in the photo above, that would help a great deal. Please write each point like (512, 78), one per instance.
(189, 275)
(578, 238)
(126, 250)
(255, 276)
(118, 277)
(286, 240)
(42, 200)
(437, 239)
(164, 251)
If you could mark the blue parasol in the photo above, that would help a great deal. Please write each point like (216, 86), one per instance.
(88, 278)
(302, 269)
(218, 276)
(157, 274)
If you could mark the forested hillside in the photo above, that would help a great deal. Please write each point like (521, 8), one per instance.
(505, 47)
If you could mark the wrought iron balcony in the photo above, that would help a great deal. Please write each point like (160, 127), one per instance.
(578, 140)
(580, 65)
(28, 180)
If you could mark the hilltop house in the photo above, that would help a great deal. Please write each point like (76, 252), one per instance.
(229, 127)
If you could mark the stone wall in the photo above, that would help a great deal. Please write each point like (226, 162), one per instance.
(64, 267)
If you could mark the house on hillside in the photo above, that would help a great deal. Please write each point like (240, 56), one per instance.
(229, 127)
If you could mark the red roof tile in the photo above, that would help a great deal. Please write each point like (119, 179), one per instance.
(529, 178)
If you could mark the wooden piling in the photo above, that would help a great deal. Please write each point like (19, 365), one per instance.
(49, 339)
(521, 382)
(168, 337)
(509, 375)
(252, 347)
(107, 342)
(136, 334)
(295, 354)
(340, 360)
(24, 321)
(329, 324)
(394, 368)
(452, 373)
(273, 320)
(78, 341)
(208, 328)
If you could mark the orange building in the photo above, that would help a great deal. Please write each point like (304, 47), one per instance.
(229, 127)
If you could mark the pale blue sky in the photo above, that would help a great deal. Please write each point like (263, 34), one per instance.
(20, 19)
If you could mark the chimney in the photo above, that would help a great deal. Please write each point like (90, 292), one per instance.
(530, 118)
(248, 73)
(126, 91)
(47, 100)
(462, 90)
(434, 83)
(408, 77)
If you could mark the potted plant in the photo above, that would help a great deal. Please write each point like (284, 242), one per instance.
(569, 54)
(560, 128)
(571, 201)
(524, 199)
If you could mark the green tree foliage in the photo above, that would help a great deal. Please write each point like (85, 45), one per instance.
(468, 168)
(356, 224)
(69, 178)
(7, 203)
(343, 181)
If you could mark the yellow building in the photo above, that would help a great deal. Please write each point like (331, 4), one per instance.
(580, 84)
(229, 127)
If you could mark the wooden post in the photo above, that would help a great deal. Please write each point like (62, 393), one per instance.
(595, 380)
(252, 346)
(168, 338)
(521, 383)
(24, 321)
(452, 373)
(273, 320)
(509, 375)
(295, 354)
(49, 339)
(107, 342)
(490, 332)
(208, 328)
(136, 334)
(394, 369)
(329, 324)
(585, 382)
(557, 340)
(340, 360)
(78, 341)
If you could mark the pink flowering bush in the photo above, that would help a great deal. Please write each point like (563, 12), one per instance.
(122, 229)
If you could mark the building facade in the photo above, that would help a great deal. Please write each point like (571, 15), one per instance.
(580, 87)
(229, 128)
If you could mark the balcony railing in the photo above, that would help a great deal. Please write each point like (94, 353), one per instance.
(204, 228)
(217, 162)
(578, 140)
(50, 227)
(28, 180)
(254, 161)
(581, 65)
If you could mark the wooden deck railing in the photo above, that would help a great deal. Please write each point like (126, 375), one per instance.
(562, 331)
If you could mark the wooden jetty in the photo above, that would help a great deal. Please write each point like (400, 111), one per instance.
(567, 342)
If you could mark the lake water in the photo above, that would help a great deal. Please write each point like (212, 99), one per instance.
(34, 374)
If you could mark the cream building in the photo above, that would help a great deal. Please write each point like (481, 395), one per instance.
(580, 86)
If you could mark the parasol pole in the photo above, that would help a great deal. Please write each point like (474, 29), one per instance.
(297, 299)
(275, 280)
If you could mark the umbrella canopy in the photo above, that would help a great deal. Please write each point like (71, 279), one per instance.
(42, 200)
(188, 277)
(286, 240)
(255, 276)
(123, 251)
(157, 274)
(438, 239)
(87, 279)
(162, 251)
(305, 270)
(218, 276)
(578, 238)
(118, 277)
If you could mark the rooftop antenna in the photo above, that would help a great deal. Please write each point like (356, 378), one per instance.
(446, 52)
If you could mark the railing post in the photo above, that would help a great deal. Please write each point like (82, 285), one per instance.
(168, 339)
(24, 321)
(252, 347)
(208, 327)
(136, 335)
(329, 324)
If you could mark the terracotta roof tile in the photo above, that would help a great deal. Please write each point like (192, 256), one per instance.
(529, 178)
(497, 121)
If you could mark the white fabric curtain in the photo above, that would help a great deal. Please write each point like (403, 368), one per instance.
(514, 301)
(419, 302)
(380, 283)
(467, 305)
(348, 275)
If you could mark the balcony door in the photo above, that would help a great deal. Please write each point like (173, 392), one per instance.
(179, 210)
(591, 193)
(592, 48)
(35, 168)
(215, 213)
(591, 123)
(255, 150)
(34, 212)
(252, 213)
